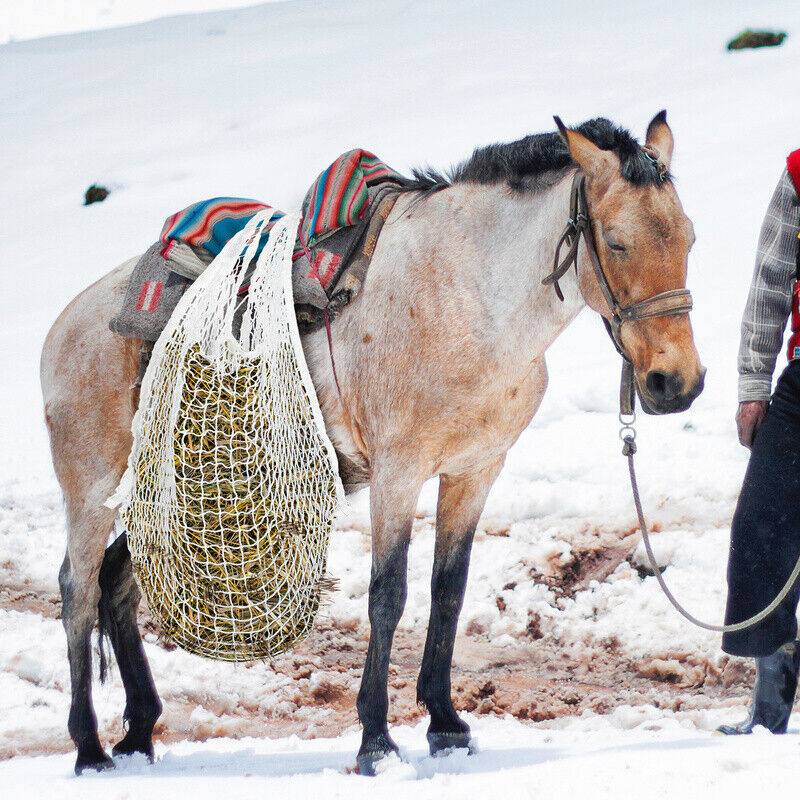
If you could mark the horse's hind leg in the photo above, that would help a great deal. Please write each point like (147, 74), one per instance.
(119, 602)
(461, 502)
(80, 592)
(87, 374)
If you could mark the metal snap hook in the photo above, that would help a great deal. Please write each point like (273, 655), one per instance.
(627, 432)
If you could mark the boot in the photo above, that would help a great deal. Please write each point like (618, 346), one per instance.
(773, 694)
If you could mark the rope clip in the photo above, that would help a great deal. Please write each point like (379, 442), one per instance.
(627, 433)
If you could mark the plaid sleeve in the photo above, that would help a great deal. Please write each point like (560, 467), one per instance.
(770, 298)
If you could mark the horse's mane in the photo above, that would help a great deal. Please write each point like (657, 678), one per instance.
(529, 163)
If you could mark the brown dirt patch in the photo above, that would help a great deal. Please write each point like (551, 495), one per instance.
(594, 556)
(537, 678)
(25, 597)
(535, 681)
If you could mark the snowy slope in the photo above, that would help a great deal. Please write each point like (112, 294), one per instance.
(254, 102)
(35, 18)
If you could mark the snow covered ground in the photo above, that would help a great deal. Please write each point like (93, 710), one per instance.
(254, 102)
(629, 754)
(37, 18)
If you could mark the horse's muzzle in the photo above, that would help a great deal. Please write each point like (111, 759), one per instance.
(664, 393)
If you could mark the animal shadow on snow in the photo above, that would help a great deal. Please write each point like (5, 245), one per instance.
(279, 765)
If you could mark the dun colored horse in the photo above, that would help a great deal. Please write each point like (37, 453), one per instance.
(441, 366)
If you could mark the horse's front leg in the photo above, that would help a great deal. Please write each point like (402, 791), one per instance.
(393, 499)
(461, 501)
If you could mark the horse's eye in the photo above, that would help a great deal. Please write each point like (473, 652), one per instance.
(616, 247)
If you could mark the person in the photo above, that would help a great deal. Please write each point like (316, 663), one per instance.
(765, 532)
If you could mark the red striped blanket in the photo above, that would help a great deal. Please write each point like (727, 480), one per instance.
(342, 215)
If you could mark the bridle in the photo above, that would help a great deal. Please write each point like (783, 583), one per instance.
(664, 304)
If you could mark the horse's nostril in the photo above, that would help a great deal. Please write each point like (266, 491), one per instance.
(656, 383)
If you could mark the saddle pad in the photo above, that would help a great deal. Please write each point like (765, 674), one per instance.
(342, 215)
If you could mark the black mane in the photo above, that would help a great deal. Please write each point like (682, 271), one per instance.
(529, 163)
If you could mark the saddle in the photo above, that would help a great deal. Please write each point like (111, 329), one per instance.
(342, 216)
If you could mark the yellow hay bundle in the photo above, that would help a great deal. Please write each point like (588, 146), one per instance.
(231, 489)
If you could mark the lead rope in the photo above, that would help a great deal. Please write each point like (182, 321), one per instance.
(627, 434)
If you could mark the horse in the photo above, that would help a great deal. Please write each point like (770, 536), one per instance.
(439, 367)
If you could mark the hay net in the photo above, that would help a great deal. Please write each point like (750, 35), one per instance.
(232, 484)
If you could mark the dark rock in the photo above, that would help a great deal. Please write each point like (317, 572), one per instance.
(751, 39)
(95, 194)
(643, 568)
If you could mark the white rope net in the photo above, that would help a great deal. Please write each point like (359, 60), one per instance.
(232, 484)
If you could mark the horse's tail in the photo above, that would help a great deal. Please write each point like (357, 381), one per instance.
(110, 569)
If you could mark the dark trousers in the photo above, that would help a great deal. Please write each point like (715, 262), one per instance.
(765, 533)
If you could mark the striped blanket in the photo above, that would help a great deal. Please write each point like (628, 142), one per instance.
(342, 214)
(211, 223)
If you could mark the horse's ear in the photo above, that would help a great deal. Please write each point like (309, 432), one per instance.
(659, 137)
(593, 160)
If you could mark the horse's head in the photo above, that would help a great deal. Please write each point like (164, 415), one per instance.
(642, 239)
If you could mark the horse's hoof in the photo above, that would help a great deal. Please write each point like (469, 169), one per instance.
(372, 752)
(137, 739)
(129, 746)
(443, 742)
(365, 765)
(95, 761)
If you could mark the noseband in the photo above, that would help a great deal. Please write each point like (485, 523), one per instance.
(664, 304)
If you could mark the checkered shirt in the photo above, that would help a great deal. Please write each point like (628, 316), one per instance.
(770, 300)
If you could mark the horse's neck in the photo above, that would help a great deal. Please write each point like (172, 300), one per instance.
(515, 234)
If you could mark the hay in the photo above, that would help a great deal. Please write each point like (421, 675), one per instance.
(230, 547)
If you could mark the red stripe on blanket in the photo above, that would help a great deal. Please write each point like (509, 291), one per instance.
(156, 294)
(333, 217)
(331, 261)
(142, 295)
(168, 225)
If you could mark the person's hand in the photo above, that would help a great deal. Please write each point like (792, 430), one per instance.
(748, 420)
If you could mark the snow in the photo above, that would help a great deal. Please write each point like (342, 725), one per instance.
(630, 753)
(36, 18)
(254, 102)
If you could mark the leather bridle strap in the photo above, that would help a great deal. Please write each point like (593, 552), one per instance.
(664, 304)
(675, 301)
(571, 238)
